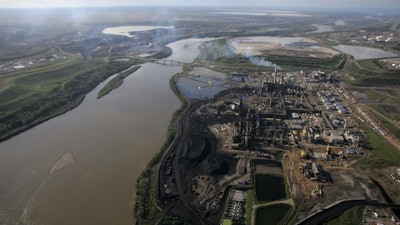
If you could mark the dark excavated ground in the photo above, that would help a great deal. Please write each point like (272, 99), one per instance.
(196, 155)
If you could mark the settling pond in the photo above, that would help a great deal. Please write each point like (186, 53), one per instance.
(198, 87)
(128, 30)
(271, 215)
(270, 187)
(360, 52)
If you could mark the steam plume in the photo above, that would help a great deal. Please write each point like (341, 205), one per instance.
(261, 61)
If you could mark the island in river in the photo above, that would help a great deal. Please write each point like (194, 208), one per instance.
(117, 81)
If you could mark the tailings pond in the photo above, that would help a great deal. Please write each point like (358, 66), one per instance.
(270, 187)
(202, 83)
(271, 215)
(109, 142)
(128, 30)
(360, 52)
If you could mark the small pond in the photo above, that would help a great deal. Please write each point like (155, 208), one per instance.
(270, 187)
(200, 87)
(271, 215)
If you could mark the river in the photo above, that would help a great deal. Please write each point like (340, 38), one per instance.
(111, 140)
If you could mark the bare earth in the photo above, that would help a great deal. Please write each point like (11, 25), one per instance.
(295, 46)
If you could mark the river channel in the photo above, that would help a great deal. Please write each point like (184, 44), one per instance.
(111, 140)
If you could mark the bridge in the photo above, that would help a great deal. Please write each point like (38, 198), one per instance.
(166, 62)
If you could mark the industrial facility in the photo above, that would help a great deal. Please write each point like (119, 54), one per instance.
(304, 115)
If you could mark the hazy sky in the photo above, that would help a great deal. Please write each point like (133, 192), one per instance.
(248, 3)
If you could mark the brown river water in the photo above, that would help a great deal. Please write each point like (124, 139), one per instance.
(111, 140)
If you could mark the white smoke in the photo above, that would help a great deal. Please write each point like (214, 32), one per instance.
(261, 61)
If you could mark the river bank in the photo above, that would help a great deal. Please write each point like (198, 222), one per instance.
(146, 210)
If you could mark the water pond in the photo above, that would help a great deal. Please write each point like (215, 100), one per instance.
(126, 30)
(360, 52)
(270, 187)
(271, 215)
(321, 28)
(199, 87)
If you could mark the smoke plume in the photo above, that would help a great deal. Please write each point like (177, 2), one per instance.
(261, 61)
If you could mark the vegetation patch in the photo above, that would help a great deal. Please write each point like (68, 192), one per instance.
(393, 128)
(380, 97)
(146, 209)
(372, 72)
(373, 65)
(350, 217)
(249, 206)
(302, 207)
(383, 154)
(376, 96)
(15, 52)
(117, 81)
(383, 79)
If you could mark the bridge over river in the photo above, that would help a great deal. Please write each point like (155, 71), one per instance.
(166, 62)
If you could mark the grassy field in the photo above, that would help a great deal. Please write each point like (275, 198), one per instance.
(382, 153)
(386, 110)
(380, 97)
(376, 96)
(388, 79)
(395, 130)
(23, 84)
(17, 52)
(393, 112)
(373, 65)
(372, 72)
(249, 205)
